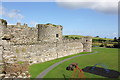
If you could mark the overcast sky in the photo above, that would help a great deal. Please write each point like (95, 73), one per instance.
(88, 18)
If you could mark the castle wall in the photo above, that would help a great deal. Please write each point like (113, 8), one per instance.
(1, 33)
(45, 52)
(43, 43)
(1, 49)
(87, 43)
(1, 59)
(39, 44)
(22, 34)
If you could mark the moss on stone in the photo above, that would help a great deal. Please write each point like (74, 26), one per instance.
(20, 62)
(54, 25)
(24, 50)
(17, 51)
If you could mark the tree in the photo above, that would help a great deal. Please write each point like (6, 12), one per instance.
(97, 36)
(102, 45)
(66, 37)
(77, 38)
(119, 39)
(116, 45)
(115, 39)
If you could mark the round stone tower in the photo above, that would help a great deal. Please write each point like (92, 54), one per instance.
(49, 33)
(87, 44)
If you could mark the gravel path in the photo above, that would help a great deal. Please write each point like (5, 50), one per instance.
(41, 75)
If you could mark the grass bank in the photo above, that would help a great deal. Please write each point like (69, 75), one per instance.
(107, 56)
(36, 69)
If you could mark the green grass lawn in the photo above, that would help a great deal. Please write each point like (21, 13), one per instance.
(107, 56)
(80, 36)
(36, 69)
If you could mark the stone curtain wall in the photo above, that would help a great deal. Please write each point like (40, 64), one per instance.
(20, 43)
(45, 51)
(21, 34)
(41, 43)
(1, 49)
(1, 67)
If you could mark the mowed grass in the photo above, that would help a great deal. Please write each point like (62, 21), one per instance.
(107, 56)
(36, 69)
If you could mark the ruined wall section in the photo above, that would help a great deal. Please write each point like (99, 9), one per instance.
(5, 53)
(2, 24)
(5, 45)
(21, 34)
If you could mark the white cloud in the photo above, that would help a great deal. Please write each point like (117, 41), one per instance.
(10, 24)
(57, 0)
(104, 6)
(86, 0)
(13, 14)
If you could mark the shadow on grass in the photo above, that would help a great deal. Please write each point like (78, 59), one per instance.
(102, 72)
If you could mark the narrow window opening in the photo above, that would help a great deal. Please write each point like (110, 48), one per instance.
(5, 38)
(57, 35)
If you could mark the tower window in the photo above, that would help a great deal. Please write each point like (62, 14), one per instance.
(57, 35)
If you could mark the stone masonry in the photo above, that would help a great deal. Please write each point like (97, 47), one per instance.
(20, 43)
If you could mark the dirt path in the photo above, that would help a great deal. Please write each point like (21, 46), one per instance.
(41, 75)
